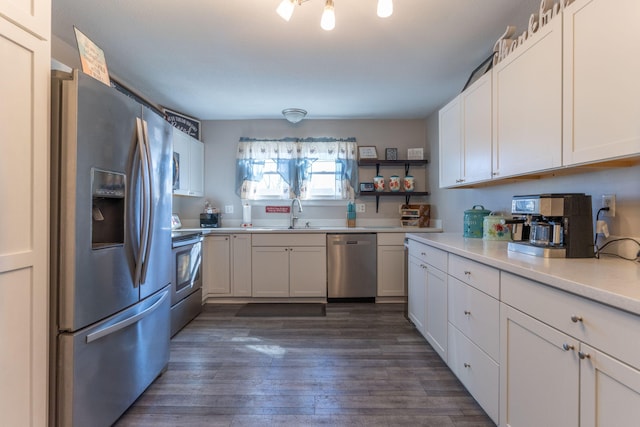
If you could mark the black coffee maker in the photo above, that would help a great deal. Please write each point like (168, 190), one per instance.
(559, 225)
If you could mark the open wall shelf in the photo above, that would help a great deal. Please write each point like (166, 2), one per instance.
(407, 165)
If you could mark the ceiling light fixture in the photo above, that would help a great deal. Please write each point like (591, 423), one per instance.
(294, 115)
(328, 20)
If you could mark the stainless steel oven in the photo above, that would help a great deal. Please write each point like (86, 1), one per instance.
(186, 283)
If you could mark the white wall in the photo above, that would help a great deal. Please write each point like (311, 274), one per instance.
(221, 140)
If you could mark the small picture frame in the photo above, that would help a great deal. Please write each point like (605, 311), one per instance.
(415, 154)
(391, 154)
(367, 152)
(479, 71)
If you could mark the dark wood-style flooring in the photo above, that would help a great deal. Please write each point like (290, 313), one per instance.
(361, 365)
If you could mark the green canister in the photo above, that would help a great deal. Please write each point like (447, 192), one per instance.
(473, 219)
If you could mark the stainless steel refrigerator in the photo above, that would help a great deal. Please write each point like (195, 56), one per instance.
(110, 250)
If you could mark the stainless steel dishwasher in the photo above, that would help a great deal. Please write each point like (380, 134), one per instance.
(352, 268)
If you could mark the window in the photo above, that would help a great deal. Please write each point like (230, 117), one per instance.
(311, 169)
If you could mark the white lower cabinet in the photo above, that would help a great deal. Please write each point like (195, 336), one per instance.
(568, 361)
(391, 265)
(293, 265)
(226, 265)
(428, 294)
(539, 377)
(417, 293)
(609, 391)
(477, 371)
(474, 338)
(436, 318)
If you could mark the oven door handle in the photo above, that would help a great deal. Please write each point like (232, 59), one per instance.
(187, 242)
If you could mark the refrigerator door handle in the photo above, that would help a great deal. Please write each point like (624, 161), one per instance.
(151, 207)
(144, 226)
(100, 333)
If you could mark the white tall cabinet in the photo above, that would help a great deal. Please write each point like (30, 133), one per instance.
(24, 165)
(601, 87)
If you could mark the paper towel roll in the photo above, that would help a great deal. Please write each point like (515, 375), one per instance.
(246, 215)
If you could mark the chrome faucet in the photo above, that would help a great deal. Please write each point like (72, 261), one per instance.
(293, 218)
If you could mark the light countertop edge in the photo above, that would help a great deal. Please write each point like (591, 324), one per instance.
(329, 229)
(608, 280)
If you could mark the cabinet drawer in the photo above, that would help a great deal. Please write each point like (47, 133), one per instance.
(613, 331)
(396, 239)
(428, 254)
(475, 314)
(289, 239)
(480, 276)
(476, 370)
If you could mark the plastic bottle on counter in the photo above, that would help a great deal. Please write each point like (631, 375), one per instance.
(351, 214)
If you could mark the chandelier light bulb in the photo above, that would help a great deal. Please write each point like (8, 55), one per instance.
(328, 21)
(385, 8)
(285, 10)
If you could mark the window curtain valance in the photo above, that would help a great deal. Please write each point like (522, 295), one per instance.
(294, 158)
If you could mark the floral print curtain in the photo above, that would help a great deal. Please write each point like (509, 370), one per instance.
(294, 158)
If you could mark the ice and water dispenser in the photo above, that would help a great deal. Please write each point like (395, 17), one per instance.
(108, 208)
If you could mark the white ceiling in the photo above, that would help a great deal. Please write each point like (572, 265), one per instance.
(237, 59)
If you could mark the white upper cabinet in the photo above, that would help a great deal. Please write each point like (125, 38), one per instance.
(477, 130)
(33, 16)
(465, 136)
(188, 165)
(601, 84)
(450, 129)
(527, 105)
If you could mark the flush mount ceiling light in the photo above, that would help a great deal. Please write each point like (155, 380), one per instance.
(294, 115)
(328, 20)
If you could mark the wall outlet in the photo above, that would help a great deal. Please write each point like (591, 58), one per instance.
(609, 201)
(228, 209)
(360, 207)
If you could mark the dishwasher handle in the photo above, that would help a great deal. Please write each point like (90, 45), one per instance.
(351, 242)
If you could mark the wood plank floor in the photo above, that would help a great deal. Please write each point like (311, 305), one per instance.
(361, 365)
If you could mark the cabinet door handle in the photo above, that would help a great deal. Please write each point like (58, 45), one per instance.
(576, 319)
(467, 313)
(423, 254)
(467, 273)
(583, 355)
(567, 347)
(466, 365)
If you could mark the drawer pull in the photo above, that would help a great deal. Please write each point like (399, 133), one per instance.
(567, 347)
(583, 355)
(467, 273)
(466, 365)
(576, 319)
(423, 254)
(467, 313)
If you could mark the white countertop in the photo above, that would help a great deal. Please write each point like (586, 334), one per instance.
(608, 280)
(327, 229)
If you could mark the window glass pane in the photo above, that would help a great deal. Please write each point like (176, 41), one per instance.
(322, 180)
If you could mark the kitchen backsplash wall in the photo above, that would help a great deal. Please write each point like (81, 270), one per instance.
(221, 140)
